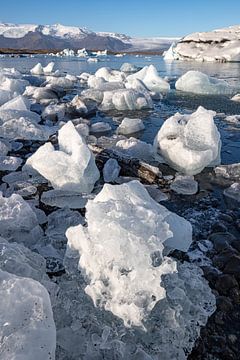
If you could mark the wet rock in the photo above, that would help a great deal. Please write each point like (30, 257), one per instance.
(224, 283)
(221, 240)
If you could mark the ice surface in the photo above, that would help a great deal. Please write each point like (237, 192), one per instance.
(111, 170)
(70, 168)
(149, 76)
(185, 185)
(9, 163)
(18, 222)
(123, 280)
(130, 126)
(27, 329)
(63, 198)
(189, 143)
(200, 83)
(125, 99)
(54, 112)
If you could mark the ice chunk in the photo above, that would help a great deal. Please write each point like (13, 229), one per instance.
(135, 148)
(49, 68)
(125, 99)
(200, 83)
(25, 129)
(15, 86)
(189, 143)
(18, 222)
(128, 68)
(54, 112)
(185, 185)
(61, 199)
(37, 69)
(5, 96)
(58, 222)
(18, 103)
(82, 129)
(100, 127)
(232, 195)
(9, 163)
(70, 168)
(120, 262)
(236, 98)
(231, 171)
(111, 170)
(27, 327)
(130, 126)
(156, 193)
(149, 76)
(110, 75)
(5, 147)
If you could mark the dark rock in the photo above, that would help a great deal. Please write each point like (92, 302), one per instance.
(233, 266)
(236, 244)
(226, 217)
(224, 283)
(221, 240)
(224, 257)
(224, 304)
(219, 227)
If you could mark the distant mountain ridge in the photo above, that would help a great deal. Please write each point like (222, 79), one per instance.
(57, 36)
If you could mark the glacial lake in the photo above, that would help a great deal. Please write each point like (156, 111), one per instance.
(171, 103)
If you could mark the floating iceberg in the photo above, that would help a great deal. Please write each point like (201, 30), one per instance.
(189, 143)
(40, 70)
(128, 68)
(72, 167)
(125, 99)
(149, 76)
(119, 262)
(199, 83)
(130, 126)
(110, 75)
(218, 45)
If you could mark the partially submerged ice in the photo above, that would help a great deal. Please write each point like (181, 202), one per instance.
(127, 225)
(149, 76)
(125, 99)
(200, 83)
(27, 329)
(130, 126)
(127, 273)
(70, 168)
(189, 143)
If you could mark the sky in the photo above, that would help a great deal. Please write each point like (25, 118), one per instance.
(133, 17)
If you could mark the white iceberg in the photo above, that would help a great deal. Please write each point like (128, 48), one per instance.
(149, 76)
(189, 143)
(72, 167)
(38, 69)
(219, 45)
(200, 83)
(127, 232)
(135, 148)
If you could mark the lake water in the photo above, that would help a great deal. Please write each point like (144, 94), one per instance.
(173, 102)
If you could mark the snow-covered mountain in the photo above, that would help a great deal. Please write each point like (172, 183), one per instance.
(57, 36)
(217, 45)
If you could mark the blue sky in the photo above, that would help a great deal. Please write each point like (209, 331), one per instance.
(133, 17)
